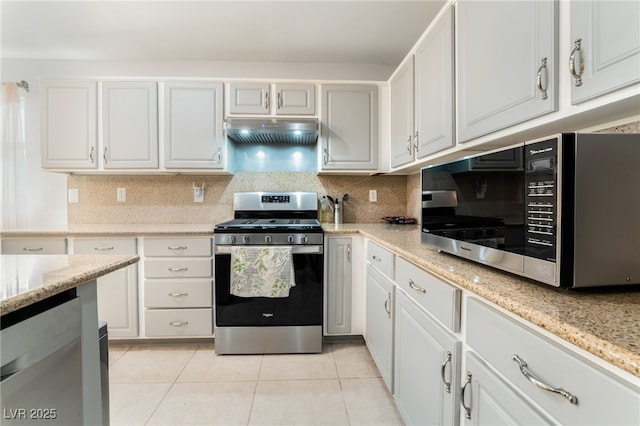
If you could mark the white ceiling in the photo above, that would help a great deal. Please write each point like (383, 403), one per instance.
(334, 31)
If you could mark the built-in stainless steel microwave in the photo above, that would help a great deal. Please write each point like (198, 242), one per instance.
(563, 210)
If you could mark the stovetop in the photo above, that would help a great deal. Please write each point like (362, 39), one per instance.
(250, 224)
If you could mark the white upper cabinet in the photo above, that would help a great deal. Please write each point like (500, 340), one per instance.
(281, 99)
(69, 133)
(605, 56)
(193, 125)
(349, 127)
(434, 88)
(402, 115)
(130, 125)
(249, 98)
(422, 108)
(506, 59)
(295, 99)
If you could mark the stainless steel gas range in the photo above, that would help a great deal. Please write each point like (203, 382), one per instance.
(269, 275)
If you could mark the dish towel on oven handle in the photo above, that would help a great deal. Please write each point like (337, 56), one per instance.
(261, 271)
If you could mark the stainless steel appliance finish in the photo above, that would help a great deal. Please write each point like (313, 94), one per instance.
(569, 203)
(272, 130)
(42, 367)
(291, 324)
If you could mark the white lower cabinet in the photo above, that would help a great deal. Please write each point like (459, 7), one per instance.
(426, 366)
(565, 387)
(178, 287)
(380, 306)
(488, 400)
(118, 290)
(34, 245)
(339, 277)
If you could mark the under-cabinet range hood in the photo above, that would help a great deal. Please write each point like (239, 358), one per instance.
(272, 130)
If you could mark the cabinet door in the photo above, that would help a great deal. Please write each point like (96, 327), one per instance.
(426, 364)
(489, 401)
(402, 115)
(295, 99)
(118, 290)
(249, 98)
(434, 88)
(380, 302)
(57, 245)
(608, 36)
(497, 86)
(193, 125)
(130, 125)
(349, 127)
(69, 136)
(339, 280)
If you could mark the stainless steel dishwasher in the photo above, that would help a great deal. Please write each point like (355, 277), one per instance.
(41, 364)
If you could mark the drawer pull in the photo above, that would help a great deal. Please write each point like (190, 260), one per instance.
(467, 409)
(178, 294)
(104, 248)
(447, 385)
(32, 249)
(179, 269)
(533, 379)
(416, 287)
(179, 323)
(177, 247)
(376, 258)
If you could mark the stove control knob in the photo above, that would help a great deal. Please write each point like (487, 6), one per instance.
(232, 239)
(305, 239)
(245, 239)
(267, 239)
(290, 239)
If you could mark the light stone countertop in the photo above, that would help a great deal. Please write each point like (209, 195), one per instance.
(27, 279)
(603, 321)
(105, 230)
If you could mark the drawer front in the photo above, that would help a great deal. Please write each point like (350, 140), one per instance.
(440, 299)
(34, 246)
(184, 246)
(601, 398)
(178, 268)
(104, 246)
(178, 322)
(381, 258)
(185, 293)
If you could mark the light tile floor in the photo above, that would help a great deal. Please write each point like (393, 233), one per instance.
(191, 385)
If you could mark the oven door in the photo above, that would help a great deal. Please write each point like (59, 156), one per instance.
(303, 306)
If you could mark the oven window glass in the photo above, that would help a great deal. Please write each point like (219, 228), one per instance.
(302, 307)
(490, 200)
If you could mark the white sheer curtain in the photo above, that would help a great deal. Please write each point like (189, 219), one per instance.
(13, 157)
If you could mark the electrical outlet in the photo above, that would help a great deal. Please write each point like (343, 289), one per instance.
(198, 195)
(73, 195)
(122, 195)
(373, 195)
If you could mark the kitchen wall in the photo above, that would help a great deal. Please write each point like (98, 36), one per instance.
(163, 199)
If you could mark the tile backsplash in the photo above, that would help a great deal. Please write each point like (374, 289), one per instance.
(160, 199)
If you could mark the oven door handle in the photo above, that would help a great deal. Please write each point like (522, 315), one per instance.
(315, 249)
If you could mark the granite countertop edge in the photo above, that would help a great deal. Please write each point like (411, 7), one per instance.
(466, 274)
(67, 278)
